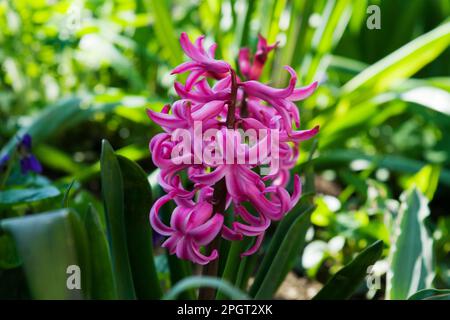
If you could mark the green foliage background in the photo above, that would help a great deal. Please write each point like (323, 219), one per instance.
(76, 72)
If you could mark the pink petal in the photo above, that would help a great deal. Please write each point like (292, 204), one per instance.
(193, 77)
(206, 232)
(198, 97)
(303, 135)
(252, 230)
(179, 219)
(171, 244)
(230, 235)
(156, 223)
(185, 66)
(209, 110)
(303, 93)
(297, 191)
(262, 91)
(209, 178)
(200, 213)
(193, 52)
(182, 249)
(255, 247)
(164, 120)
(199, 258)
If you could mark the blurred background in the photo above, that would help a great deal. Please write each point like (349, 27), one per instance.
(75, 72)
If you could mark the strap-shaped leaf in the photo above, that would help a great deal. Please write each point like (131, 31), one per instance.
(345, 282)
(48, 243)
(285, 246)
(14, 197)
(411, 255)
(113, 198)
(431, 294)
(203, 281)
(102, 279)
(138, 201)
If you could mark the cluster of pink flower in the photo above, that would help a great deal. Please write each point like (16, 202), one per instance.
(231, 103)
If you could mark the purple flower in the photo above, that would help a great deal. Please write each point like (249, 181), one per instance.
(28, 162)
(4, 162)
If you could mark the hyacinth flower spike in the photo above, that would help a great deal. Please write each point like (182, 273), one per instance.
(209, 191)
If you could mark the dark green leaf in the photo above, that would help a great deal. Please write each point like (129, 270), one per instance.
(286, 244)
(138, 201)
(103, 286)
(113, 198)
(345, 282)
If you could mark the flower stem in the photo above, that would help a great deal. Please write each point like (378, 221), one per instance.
(219, 199)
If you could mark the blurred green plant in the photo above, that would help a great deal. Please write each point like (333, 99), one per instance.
(75, 72)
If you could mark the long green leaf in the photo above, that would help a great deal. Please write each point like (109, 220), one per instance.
(232, 264)
(399, 65)
(345, 282)
(64, 114)
(431, 294)
(286, 245)
(13, 197)
(165, 31)
(411, 254)
(48, 243)
(103, 286)
(179, 270)
(336, 17)
(138, 201)
(395, 163)
(113, 198)
(202, 281)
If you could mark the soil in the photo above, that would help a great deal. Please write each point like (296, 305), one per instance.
(295, 288)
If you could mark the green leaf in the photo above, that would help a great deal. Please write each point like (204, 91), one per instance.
(138, 201)
(400, 64)
(345, 282)
(336, 157)
(431, 294)
(165, 31)
(426, 180)
(179, 270)
(203, 281)
(411, 255)
(64, 114)
(285, 246)
(113, 198)
(13, 197)
(335, 17)
(54, 158)
(430, 97)
(8, 253)
(245, 271)
(232, 264)
(65, 201)
(103, 286)
(48, 243)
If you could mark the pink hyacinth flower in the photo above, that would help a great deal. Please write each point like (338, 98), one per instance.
(190, 228)
(219, 100)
